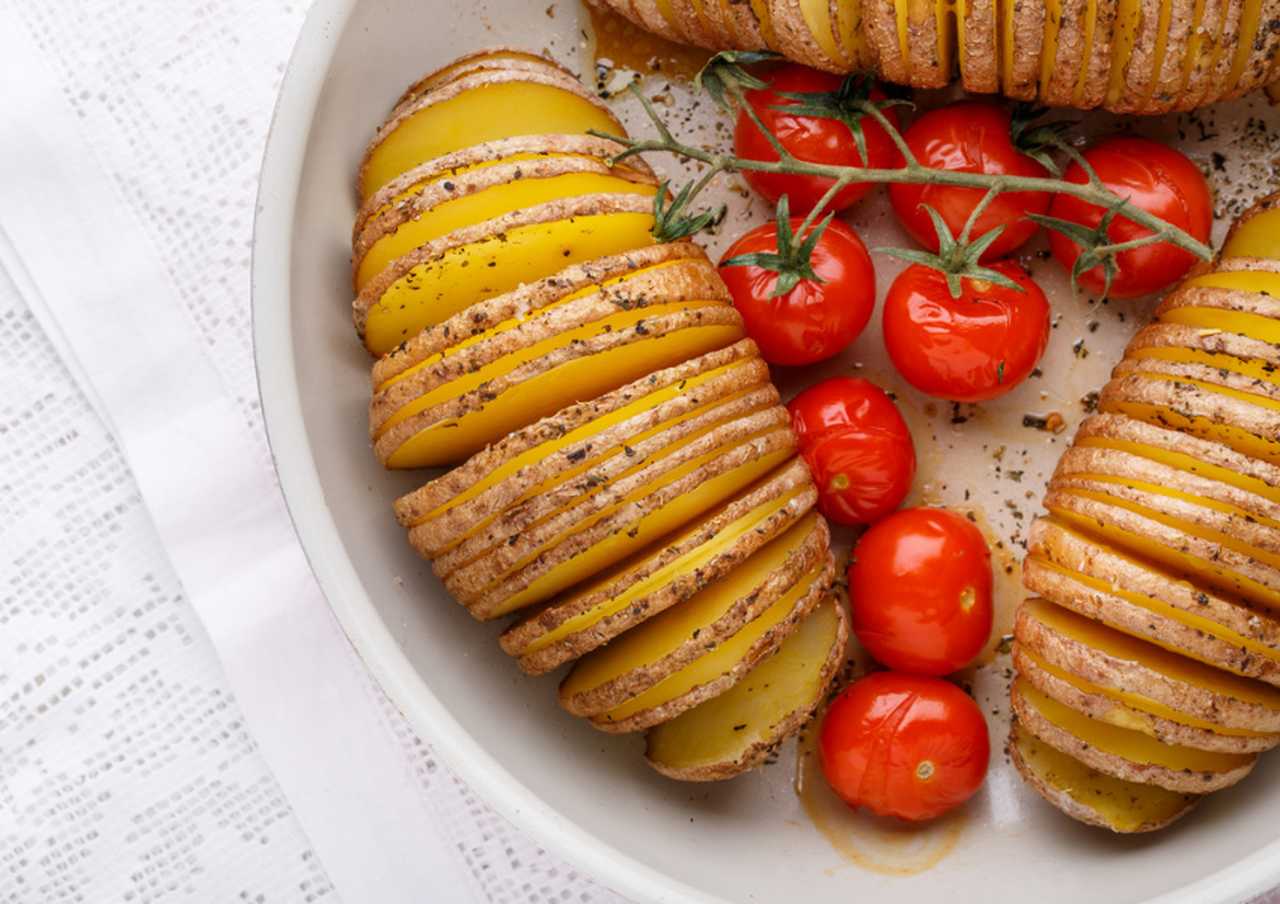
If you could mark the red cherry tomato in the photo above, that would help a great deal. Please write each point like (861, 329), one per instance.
(966, 349)
(811, 138)
(920, 591)
(1155, 178)
(969, 137)
(814, 320)
(906, 746)
(858, 447)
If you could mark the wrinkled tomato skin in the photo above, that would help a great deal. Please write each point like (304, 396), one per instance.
(857, 446)
(815, 320)
(969, 137)
(920, 589)
(1155, 178)
(968, 349)
(905, 746)
(810, 138)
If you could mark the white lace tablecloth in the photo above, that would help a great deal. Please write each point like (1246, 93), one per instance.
(127, 770)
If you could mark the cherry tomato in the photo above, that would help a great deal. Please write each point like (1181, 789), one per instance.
(1155, 178)
(858, 447)
(903, 745)
(969, 137)
(920, 591)
(966, 349)
(812, 138)
(814, 320)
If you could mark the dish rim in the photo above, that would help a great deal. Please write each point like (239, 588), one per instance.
(287, 143)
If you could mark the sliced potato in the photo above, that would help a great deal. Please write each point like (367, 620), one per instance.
(1248, 384)
(705, 551)
(806, 33)
(1122, 752)
(1255, 233)
(1090, 796)
(1022, 25)
(478, 61)
(648, 653)
(1063, 55)
(473, 109)
(444, 277)
(1197, 69)
(1165, 84)
(885, 25)
(735, 731)
(653, 15)
(1100, 36)
(1180, 344)
(720, 669)
(977, 30)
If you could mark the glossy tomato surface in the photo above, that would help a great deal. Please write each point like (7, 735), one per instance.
(811, 138)
(815, 319)
(920, 590)
(858, 447)
(969, 137)
(1155, 178)
(903, 745)
(967, 349)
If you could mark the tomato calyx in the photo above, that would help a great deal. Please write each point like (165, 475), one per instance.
(724, 78)
(793, 261)
(672, 220)
(959, 258)
(1038, 140)
(1096, 247)
(849, 104)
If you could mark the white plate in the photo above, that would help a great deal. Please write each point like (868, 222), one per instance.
(587, 795)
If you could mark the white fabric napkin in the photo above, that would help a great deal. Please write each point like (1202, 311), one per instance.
(129, 146)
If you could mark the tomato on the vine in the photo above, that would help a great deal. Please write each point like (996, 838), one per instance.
(858, 447)
(920, 591)
(903, 745)
(970, 137)
(812, 138)
(801, 304)
(1155, 178)
(967, 349)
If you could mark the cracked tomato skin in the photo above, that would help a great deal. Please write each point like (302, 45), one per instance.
(1155, 178)
(905, 746)
(815, 320)
(857, 446)
(968, 349)
(920, 591)
(810, 138)
(969, 137)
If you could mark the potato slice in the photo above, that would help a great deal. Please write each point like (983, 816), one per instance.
(851, 39)
(1137, 675)
(1133, 50)
(1209, 558)
(734, 732)
(468, 199)
(806, 33)
(650, 652)
(456, 418)
(600, 489)
(473, 109)
(1206, 19)
(1122, 752)
(444, 277)
(1022, 25)
(489, 58)
(704, 552)
(654, 15)
(743, 25)
(1090, 796)
(1221, 52)
(1164, 91)
(714, 673)
(1256, 233)
(1254, 51)
(1215, 349)
(977, 46)
(505, 150)
(1237, 378)
(686, 494)
(1063, 55)
(1099, 37)
(885, 25)
(1142, 600)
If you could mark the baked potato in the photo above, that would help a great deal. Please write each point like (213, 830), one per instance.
(1127, 56)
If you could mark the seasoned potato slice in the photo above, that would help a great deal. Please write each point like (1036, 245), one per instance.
(977, 29)
(1257, 233)
(1093, 797)
(490, 58)
(806, 33)
(735, 731)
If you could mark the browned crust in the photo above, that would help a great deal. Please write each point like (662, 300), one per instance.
(413, 507)
(478, 60)
(486, 603)
(648, 15)
(1188, 399)
(689, 280)
(1064, 70)
(517, 639)
(436, 535)
(761, 650)
(1127, 675)
(1051, 542)
(1098, 65)
(1028, 43)
(759, 750)
(1237, 300)
(516, 528)
(1262, 389)
(1182, 781)
(744, 25)
(1166, 82)
(1213, 342)
(474, 400)
(617, 690)
(796, 41)
(431, 253)
(1087, 460)
(477, 154)
(1227, 34)
(980, 70)
(448, 91)
(880, 27)
(1199, 76)
(1139, 70)
(716, 25)
(438, 192)
(1060, 799)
